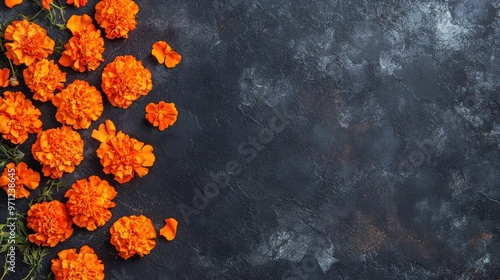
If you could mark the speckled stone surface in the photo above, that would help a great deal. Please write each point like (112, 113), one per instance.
(319, 139)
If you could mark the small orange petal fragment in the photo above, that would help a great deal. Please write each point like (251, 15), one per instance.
(77, 24)
(4, 77)
(46, 4)
(165, 54)
(77, 3)
(170, 229)
(24, 177)
(12, 3)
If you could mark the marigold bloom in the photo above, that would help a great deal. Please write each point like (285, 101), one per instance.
(170, 229)
(78, 105)
(124, 80)
(29, 42)
(77, 3)
(51, 223)
(18, 117)
(72, 265)
(84, 50)
(165, 54)
(116, 17)
(23, 177)
(12, 3)
(58, 150)
(43, 78)
(89, 202)
(122, 155)
(133, 234)
(4, 77)
(46, 4)
(161, 115)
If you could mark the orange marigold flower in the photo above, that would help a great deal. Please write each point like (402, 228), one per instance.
(165, 54)
(43, 78)
(170, 229)
(84, 50)
(20, 176)
(122, 155)
(12, 3)
(18, 117)
(72, 265)
(46, 4)
(30, 42)
(133, 234)
(161, 115)
(77, 3)
(58, 150)
(51, 223)
(124, 80)
(89, 202)
(116, 17)
(78, 105)
(4, 77)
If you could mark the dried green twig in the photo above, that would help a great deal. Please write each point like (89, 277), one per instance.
(53, 13)
(9, 153)
(33, 255)
(48, 190)
(59, 48)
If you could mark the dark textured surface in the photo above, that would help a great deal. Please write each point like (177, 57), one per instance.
(383, 162)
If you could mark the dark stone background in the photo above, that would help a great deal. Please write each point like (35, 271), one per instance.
(387, 166)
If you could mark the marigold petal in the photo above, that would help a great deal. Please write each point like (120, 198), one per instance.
(12, 3)
(172, 59)
(104, 132)
(170, 229)
(158, 51)
(77, 24)
(23, 177)
(4, 77)
(77, 3)
(46, 4)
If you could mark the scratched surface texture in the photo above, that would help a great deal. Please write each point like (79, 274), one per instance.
(318, 139)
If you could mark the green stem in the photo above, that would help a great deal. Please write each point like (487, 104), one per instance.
(12, 68)
(29, 273)
(38, 13)
(5, 271)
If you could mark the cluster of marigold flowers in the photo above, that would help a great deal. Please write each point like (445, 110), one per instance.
(60, 150)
